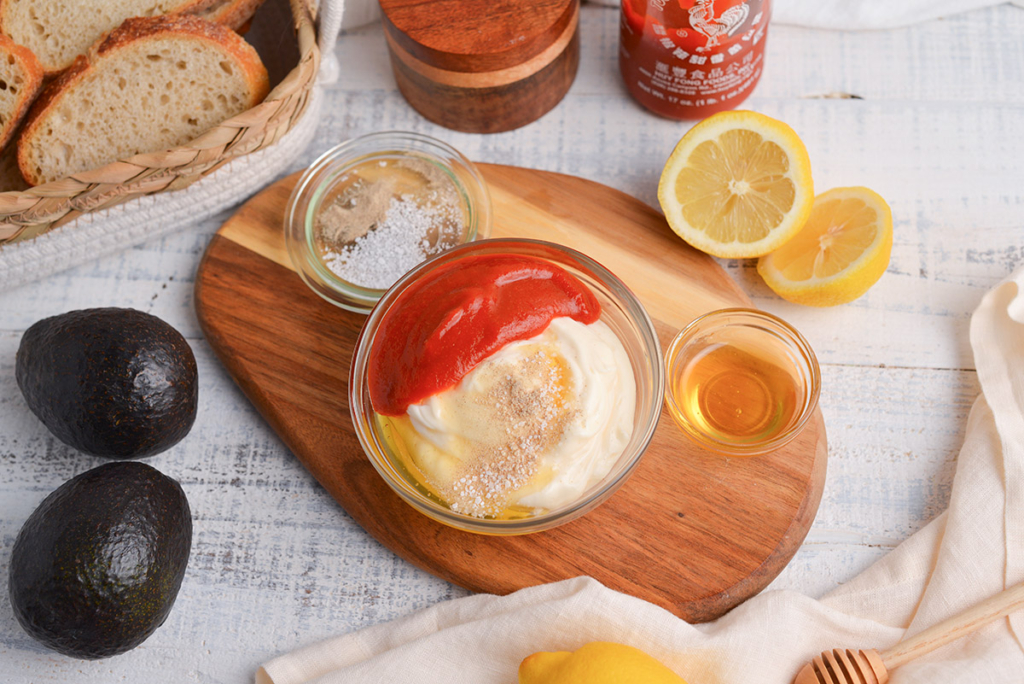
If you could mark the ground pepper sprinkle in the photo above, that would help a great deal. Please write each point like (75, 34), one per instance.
(529, 406)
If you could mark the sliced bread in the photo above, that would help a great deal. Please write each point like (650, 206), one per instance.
(151, 84)
(57, 31)
(232, 13)
(21, 77)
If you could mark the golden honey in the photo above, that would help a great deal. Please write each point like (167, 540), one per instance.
(741, 382)
(736, 396)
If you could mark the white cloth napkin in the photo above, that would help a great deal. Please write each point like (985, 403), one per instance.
(972, 551)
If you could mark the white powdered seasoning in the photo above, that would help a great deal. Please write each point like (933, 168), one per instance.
(391, 215)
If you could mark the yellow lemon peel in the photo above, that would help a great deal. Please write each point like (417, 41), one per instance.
(841, 251)
(599, 662)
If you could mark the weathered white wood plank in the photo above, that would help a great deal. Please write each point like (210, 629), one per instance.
(894, 435)
(277, 564)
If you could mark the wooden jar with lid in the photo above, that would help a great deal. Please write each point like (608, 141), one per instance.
(482, 66)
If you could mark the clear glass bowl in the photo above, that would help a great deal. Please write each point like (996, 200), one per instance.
(323, 182)
(620, 310)
(741, 382)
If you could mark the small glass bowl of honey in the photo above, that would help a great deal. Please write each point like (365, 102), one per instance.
(741, 382)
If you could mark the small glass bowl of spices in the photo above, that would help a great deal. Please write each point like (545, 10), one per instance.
(373, 208)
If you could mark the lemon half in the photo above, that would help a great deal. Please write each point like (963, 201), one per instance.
(738, 184)
(842, 250)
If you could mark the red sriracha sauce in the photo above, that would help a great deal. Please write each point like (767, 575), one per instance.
(454, 317)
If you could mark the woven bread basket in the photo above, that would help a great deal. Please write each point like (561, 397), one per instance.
(29, 213)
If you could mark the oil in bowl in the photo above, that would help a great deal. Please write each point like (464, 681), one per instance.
(741, 382)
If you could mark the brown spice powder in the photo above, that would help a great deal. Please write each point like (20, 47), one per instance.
(532, 408)
(356, 211)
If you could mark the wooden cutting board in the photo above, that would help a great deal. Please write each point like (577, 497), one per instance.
(690, 531)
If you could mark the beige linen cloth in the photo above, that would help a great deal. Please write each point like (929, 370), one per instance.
(968, 553)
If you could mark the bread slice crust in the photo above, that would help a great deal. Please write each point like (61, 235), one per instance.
(23, 58)
(232, 13)
(13, 21)
(129, 34)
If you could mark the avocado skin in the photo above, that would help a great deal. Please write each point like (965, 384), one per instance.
(97, 566)
(116, 383)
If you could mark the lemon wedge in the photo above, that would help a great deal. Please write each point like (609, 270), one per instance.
(842, 250)
(738, 184)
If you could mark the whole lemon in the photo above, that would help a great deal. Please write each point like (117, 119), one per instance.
(599, 662)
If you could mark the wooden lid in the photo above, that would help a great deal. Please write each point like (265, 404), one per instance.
(476, 35)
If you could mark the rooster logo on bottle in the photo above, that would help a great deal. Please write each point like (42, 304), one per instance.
(704, 21)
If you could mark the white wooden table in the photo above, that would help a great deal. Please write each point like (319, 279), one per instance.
(277, 564)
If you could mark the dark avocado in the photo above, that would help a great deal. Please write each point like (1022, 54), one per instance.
(97, 565)
(116, 383)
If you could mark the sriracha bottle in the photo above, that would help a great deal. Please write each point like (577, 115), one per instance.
(687, 59)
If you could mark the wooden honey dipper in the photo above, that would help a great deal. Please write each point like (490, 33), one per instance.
(872, 667)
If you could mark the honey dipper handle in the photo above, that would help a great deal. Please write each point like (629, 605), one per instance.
(951, 629)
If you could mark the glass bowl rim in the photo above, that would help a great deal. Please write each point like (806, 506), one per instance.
(648, 424)
(315, 181)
